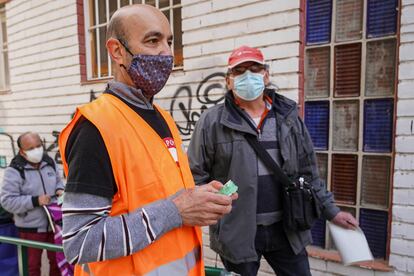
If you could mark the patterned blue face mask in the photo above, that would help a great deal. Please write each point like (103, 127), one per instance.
(249, 86)
(149, 72)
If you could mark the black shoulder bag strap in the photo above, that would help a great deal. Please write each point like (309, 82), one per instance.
(267, 159)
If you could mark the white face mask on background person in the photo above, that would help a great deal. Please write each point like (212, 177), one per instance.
(34, 155)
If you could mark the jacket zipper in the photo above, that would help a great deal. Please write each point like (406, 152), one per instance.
(44, 190)
(43, 183)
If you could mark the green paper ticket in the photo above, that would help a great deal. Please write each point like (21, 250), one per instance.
(229, 188)
(60, 199)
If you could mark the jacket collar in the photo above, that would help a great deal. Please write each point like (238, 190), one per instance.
(129, 94)
(234, 118)
(20, 163)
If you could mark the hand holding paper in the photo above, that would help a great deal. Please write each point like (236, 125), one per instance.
(351, 244)
(345, 220)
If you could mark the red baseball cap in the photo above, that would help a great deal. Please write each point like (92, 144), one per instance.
(243, 54)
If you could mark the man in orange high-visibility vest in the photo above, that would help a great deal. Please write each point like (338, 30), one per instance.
(130, 204)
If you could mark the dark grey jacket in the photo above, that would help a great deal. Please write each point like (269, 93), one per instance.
(22, 184)
(219, 151)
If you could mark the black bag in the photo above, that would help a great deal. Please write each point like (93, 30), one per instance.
(301, 206)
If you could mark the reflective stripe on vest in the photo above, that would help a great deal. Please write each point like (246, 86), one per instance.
(178, 267)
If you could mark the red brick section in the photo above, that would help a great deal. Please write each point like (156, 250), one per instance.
(4, 1)
(333, 256)
(302, 42)
(81, 38)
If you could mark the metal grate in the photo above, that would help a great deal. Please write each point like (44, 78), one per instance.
(348, 25)
(347, 70)
(345, 125)
(378, 125)
(374, 224)
(344, 177)
(381, 17)
(375, 181)
(380, 68)
(318, 21)
(317, 72)
(317, 122)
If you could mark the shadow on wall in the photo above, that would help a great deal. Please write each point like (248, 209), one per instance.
(185, 104)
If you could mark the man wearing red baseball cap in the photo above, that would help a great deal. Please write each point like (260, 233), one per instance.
(243, 54)
(219, 150)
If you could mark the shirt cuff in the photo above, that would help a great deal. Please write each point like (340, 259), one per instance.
(35, 201)
(330, 213)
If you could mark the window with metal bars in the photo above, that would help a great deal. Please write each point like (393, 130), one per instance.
(97, 16)
(350, 80)
(4, 58)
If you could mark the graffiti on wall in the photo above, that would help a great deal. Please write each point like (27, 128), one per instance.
(186, 107)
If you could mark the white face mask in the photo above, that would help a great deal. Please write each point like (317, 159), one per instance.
(34, 155)
(249, 86)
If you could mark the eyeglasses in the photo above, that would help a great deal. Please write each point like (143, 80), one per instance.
(254, 68)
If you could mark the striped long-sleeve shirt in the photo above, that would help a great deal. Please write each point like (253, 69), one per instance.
(90, 234)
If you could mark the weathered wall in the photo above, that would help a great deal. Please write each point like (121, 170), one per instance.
(402, 236)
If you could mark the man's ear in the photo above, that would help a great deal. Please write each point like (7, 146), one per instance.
(266, 77)
(116, 51)
(228, 84)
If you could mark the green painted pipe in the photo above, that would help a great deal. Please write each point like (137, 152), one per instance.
(23, 244)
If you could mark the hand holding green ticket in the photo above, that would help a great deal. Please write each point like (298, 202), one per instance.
(229, 188)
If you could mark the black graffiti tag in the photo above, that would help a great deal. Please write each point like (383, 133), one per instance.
(209, 93)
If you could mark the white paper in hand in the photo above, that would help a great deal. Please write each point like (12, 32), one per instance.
(351, 244)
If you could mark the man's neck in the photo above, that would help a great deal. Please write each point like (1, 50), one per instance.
(253, 108)
(121, 77)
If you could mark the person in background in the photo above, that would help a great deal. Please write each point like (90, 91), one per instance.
(130, 205)
(218, 150)
(29, 183)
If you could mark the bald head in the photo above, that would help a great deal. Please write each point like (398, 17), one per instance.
(28, 141)
(120, 25)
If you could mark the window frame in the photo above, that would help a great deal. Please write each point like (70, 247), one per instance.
(88, 62)
(360, 153)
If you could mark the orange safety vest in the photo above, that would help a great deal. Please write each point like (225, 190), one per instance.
(144, 172)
